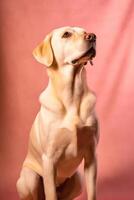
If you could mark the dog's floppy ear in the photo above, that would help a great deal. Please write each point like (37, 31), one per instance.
(43, 52)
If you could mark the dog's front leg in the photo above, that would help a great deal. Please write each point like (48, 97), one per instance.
(49, 178)
(90, 170)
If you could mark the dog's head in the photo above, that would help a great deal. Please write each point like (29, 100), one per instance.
(66, 45)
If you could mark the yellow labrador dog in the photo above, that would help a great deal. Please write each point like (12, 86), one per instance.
(65, 129)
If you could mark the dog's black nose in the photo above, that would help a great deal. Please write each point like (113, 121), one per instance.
(90, 36)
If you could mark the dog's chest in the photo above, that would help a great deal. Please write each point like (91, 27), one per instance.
(75, 151)
(79, 141)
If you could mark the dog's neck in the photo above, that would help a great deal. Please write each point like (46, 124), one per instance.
(68, 84)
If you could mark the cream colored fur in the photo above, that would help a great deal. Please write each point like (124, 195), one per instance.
(65, 129)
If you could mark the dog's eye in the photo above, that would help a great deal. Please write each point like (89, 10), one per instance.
(66, 34)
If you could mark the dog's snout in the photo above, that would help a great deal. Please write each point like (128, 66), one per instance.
(90, 36)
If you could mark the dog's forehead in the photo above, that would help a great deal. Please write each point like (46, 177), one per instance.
(60, 31)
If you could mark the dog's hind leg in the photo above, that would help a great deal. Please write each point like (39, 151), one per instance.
(29, 185)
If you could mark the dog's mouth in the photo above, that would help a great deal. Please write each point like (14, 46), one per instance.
(87, 56)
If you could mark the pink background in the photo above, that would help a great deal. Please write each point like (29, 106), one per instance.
(23, 25)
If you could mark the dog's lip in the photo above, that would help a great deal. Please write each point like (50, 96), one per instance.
(90, 54)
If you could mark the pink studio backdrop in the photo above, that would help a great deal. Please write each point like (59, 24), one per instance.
(23, 25)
